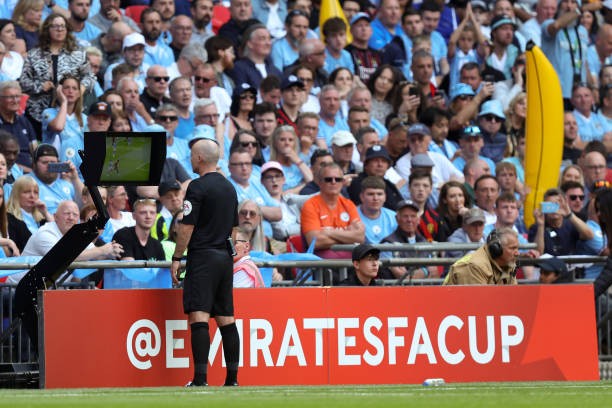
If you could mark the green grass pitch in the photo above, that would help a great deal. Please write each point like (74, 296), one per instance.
(534, 394)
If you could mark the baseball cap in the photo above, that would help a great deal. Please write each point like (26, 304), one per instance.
(168, 186)
(272, 165)
(242, 88)
(479, 3)
(492, 107)
(418, 129)
(377, 151)
(343, 138)
(407, 203)
(361, 16)
(290, 81)
(362, 250)
(552, 264)
(473, 215)
(471, 131)
(45, 149)
(100, 108)
(133, 39)
(500, 20)
(460, 89)
(421, 160)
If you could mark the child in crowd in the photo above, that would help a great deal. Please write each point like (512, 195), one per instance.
(336, 56)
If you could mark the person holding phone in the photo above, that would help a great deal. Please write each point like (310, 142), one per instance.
(557, 229)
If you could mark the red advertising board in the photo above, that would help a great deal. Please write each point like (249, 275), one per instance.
(127, 338)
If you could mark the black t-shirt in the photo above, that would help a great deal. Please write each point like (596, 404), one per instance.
(211, 206)
(152, 251)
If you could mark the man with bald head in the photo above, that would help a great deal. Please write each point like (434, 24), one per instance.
(66, 216)
(312, 55)
(154, 94)
(110, 43)
(209, 217)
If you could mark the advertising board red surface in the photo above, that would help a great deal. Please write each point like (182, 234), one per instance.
(386, 335)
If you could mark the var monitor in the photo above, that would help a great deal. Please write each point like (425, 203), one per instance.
(123, 158)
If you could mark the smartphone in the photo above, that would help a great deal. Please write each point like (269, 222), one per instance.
(63, 167)
(414, 91)
(440, 92)
(549, 207)
(489, 78)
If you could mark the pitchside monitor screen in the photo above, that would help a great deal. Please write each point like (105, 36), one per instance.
(120, 158)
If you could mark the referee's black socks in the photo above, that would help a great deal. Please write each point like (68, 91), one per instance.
(200, 347)
(231, 351)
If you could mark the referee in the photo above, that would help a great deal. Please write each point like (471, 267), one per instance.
(209, 215)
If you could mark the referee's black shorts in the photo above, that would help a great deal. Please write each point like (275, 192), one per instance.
(209, 280)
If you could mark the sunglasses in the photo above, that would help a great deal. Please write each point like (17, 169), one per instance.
(163, 118)
(465, 97)
(248, 144)
(333, 179)
(248, 213)
(202, 79)
(491, 118)
(160, 78)
(574, 197)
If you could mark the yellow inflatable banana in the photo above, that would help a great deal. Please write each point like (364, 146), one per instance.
(543, 129)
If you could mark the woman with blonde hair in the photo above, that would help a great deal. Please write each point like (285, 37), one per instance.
(25, 205)
(9, 248)
(515, 122)
(27, 16)
(66, 119)
(285, 149)
(573, 172)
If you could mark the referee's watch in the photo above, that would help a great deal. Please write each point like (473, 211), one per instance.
(177, 258)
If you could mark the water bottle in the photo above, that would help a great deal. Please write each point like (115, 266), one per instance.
(433, 382)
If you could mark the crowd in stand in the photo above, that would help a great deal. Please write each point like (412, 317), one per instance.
(403, 122)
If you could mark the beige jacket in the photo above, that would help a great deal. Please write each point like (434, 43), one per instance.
(478, 268)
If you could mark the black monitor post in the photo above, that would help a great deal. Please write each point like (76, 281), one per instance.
(110, 158)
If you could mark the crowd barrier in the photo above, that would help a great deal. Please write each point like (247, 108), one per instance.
(17, 349)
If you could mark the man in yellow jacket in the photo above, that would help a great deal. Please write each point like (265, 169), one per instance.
(492, 264)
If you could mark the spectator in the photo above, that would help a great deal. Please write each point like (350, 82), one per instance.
(26, 212)
(454, 201)
(365, 136)
(285, 150)
(181, 28)
(406, 233)
(242, 110)
(532, 28)
(605, 109)
(291, 102)
(379, 222)
(595, 246)
(471, 144)
(271, 14)
(575, 197)
(247, 140)
(40, 76)
(342, 79)
(154, 94)
(387, 24)
(246, 273)
(420, 189)
(12, 63)
(600, 53)
(431, 12)
(307, 75)
(156, 52)
(377, 162)
(66, 120)
(365, 58)
(110, 43)
(319, 159)
(111, 13)
(553, 270)
(241, 18)
(558, 233)
(472, 231)
(221, 56)
(255, 64)
(407, 102)
(135, 109)
(361, 97)
(307, 130)
(365, 266)
(589, 125)
(84, 31)
(241, 168)
(397, 141)
(41, 242)
(17, 125)
(9, 247)
(285, 49)
(202, 14)
(334, 32)
(465, 102)
(167, 117)
(343, 144)
(136, 241)
(133, 52)
(250, 219)
(205, 82)
(166, 9)
(330, 218)
(492, 264)
(516, 114)
(181, 93)
(490, 120)
(381, 84)
(273, 179)
(503, 52)
(9, 147)
(331, 117)
(594, 167)
(486, 191)
(116, 203)
(27, 17)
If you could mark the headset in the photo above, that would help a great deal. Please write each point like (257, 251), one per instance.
(494, 245)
